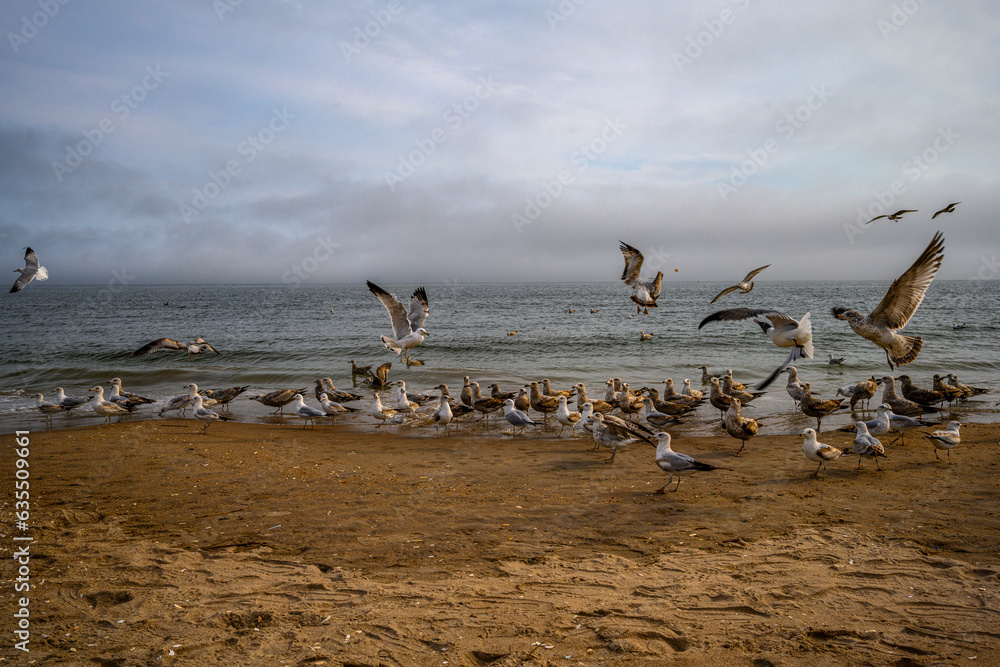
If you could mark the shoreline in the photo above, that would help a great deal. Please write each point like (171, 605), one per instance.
(261, 544)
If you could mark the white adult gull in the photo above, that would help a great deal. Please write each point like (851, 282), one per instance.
(646, 292)
(206, 416)
(743, 286)
(946, 440)
(306, 412)
(105, 408)
(48, 409)
(670, 461)
(30, 271)
(517, 417)
(783, 332)
(407, 326)
(897, 307)
(818, 451)
(70, 402)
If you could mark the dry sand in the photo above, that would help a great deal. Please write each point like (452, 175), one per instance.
(273, 545)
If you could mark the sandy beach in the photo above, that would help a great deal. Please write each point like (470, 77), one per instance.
(277, 545)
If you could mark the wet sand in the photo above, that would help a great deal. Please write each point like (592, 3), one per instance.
(274, 545)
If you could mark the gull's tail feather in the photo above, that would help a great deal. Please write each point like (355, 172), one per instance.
(906, 350)
(643, 302)
(806, 325)
(391, 344)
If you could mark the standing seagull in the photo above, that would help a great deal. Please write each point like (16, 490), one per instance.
(783, 332)
(203, 414)
(865, 444)
(31, 270)
(743, 286)
(818, 451)
(407, 327)
(897, 307)
(670, 461)
(950, 208)
(646, 291)
(946, 440)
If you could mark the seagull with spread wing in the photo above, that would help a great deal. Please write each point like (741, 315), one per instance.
(743, 286)
(193, 347)
(646, 291)
(407, 327)
(897, 307)
(950, 208)
(30, 271)
(898, 215)
(782, 330)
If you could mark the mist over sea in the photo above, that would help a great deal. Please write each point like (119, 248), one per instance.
(272, 337)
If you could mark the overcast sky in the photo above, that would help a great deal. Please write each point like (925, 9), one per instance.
(399, 141)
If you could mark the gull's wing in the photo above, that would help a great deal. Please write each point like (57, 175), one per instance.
(876, 218)
(633, 263)
(654, 291)
(418, 308)
(907, 291)
(723, 293)
(627, 429)
(209, 346)
(754, 273)
(902, 211)
(159, 344)
(22, 280)
(400, 323)
(30, 259)
(735, 314)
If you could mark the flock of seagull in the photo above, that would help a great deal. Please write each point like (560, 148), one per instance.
(643, 413)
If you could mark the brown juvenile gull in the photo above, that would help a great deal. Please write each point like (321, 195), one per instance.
(898, 404)
(898, 215)
(743, 286)
(278, 398)
(738, 426)
(193, 347)
(646, 292)
(615, 433)
(950, 208)
(925, 397)
(897, 307)
(814, 407)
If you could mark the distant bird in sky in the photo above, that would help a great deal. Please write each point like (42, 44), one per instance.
(783, 332)
(898, 215)
(30, 271)
(646, 292)
(193, 348)
(897, 307)
(407, 326)
(950, 208)
(743, 286)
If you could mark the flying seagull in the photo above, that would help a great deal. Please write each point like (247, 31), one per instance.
(743, 286)
(950, 208)
(898, 215)
(29, 271)
(782, 330)
(407, 327)
(646, 291)
(193, 348)
(897, 307)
